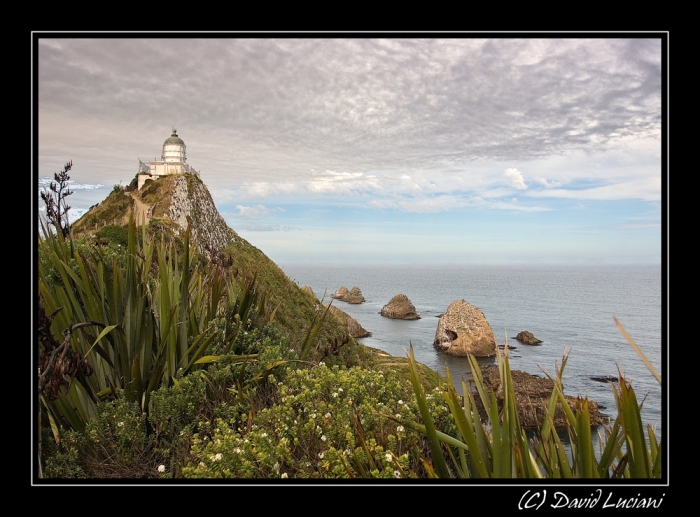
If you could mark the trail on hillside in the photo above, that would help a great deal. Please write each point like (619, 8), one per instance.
(141, 209)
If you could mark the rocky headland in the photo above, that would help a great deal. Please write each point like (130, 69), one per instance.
(463, 330)
(354, 328)
(401, 308)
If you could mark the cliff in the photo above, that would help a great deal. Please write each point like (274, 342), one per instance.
(166, 204)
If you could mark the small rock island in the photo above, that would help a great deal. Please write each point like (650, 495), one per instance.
(354, 295)
(463, 330)
(400, 308)
(527, 338)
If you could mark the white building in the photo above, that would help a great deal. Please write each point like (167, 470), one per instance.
(172, 161)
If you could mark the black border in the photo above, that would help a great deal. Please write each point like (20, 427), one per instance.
(512, 494)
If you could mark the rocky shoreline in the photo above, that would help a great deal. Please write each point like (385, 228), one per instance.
(463, 330)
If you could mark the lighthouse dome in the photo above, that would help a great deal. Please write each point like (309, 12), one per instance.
(174, 149)
(174, 139)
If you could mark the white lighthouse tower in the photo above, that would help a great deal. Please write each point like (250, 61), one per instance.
(173, 160)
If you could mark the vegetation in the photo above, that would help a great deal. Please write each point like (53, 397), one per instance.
(499, 447)
(156, 362)
(55, 200)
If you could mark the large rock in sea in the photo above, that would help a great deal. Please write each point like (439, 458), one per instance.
(532, 398)
(354, 328)
(354, 296)
(526, 337)
(400, 308)
(463, 330)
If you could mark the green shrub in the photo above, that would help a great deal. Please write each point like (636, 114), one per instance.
(327, 423)
(114, 234)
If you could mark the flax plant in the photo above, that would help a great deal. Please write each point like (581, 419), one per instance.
(497, 446)
(135, 324)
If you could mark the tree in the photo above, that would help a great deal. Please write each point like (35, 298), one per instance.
(55, 200)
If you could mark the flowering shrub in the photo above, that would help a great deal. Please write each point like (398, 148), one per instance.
(113, 445)
(327, 423)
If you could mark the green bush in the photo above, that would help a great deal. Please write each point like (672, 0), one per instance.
(327, 423)
(114, 234)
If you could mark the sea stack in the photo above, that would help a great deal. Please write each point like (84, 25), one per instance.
(400, 308)
(340, 293)
(463, 330)
(354, 296)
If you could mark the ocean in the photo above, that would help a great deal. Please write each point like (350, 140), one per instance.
(567, 307)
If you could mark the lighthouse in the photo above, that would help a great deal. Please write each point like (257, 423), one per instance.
(173, 160)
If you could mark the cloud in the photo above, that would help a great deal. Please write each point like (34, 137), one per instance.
(257, 227)
(333, 182)
(648, 189)
(515, 177)
(514, 205)
(72, 185)
(547, 184)
(251, 212)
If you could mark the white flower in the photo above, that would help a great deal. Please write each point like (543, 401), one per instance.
(388, 456)
(264, 435)
(327, 415)
(202, 465)
(400, 401)
(216, 457)
(313, 415)
(161, 468)
(120, 424)
(340, 390)
(320, 455)
(400, 429)
(323, 437)
(322, 363)
(335, 395)
(237, 450)
(397, 474)
(284, 475)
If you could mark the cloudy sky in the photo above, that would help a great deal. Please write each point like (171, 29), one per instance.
(366, 150)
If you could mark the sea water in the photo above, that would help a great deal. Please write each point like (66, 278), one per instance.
(567, 307)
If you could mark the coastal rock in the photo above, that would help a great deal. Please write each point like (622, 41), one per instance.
(527, 338)
(354, 296)
(463, 330)
(401, 308)
(354, 328)
(340, 293)
(307, 289)
(532, 398)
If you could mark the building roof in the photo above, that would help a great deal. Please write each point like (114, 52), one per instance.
(174, 139)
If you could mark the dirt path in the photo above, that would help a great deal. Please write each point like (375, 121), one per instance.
(141, 209)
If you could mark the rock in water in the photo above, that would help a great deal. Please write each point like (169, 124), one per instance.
(463, 330)
(354, 296)
(532, 396)
(527, 338)
(354, 327)
(341, 293)
(400, 308)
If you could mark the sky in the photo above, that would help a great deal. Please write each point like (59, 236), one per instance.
(460, 149)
